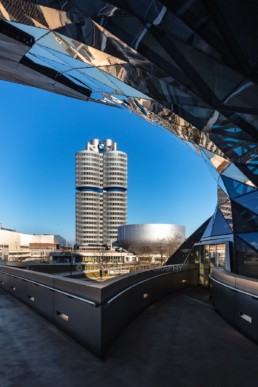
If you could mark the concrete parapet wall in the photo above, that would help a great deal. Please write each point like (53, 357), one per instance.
(94, 313)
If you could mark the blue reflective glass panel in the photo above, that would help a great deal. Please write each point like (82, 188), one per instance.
(234, 173)
(37, 33)
(220, 225)
(251, 238)
(235, 188)
(244, 219)
(249, 201)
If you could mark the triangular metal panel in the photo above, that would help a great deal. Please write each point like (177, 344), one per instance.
(218, 162)
(251, 238)
(211, 167)
(244, 219)
(234, 173)
(220, 225)
(222, 186)
(249, 201)
(208, 230)
(236, 188)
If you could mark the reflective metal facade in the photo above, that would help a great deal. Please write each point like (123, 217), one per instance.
(144, 239)
(188, 66)
(101, 197)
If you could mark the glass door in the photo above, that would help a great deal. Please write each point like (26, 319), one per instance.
(210, 256)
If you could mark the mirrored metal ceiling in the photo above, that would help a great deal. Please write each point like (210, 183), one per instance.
(189, 66)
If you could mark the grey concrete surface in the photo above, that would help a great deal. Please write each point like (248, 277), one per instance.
(179, 341)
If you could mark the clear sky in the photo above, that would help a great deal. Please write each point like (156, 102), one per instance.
(40, 133)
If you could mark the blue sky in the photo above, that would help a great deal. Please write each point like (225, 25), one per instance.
(40, 133)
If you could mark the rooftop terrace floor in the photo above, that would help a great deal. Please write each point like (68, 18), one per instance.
(179, 341)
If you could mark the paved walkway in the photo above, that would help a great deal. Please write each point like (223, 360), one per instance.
(179, 341)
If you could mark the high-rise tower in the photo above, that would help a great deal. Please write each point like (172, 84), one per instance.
(101, 197)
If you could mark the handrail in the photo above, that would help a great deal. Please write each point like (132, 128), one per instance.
(232, 288)
(53, 289)
(132, 286)
(162, 268)
(169, 269)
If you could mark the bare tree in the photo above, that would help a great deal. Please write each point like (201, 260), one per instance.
(70, 244)
(146, 252)
(161, 244)
(172, 244)
(168, 246)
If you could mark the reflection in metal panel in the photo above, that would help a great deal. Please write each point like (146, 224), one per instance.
(148, 239)
(188, 69)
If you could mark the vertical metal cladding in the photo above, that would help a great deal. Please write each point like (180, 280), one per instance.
(101, 197)
(115, 193)
(89, 195)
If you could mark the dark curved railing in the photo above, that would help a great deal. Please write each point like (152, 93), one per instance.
(236, 299)
(95, 313)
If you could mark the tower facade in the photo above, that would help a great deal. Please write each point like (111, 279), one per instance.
(101, 197)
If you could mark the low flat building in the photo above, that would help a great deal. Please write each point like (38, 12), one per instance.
(16, 246)
(108, 256)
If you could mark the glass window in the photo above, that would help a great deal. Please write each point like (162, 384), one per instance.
(249, 201)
